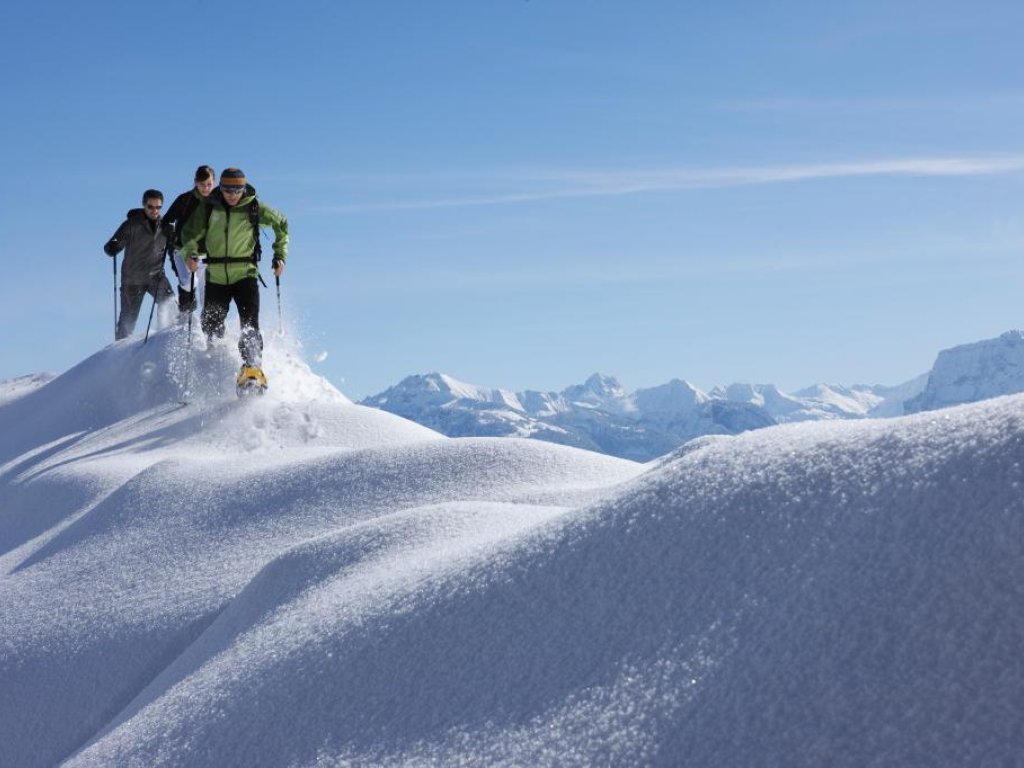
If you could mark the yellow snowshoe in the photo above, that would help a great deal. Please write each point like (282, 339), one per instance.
(250, 381)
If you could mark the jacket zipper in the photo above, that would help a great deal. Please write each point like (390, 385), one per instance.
(227, 244)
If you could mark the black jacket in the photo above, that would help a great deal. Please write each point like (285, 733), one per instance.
(180, 212)
(144, 243)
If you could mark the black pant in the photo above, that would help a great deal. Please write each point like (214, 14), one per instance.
(131, 303)
(246, 295)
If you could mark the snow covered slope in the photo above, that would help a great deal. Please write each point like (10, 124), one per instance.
(12, 389)
(840, 593)
(130, 522)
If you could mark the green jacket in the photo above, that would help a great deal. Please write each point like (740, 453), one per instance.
(223, 232)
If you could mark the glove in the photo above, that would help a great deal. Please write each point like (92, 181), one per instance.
(110, 248)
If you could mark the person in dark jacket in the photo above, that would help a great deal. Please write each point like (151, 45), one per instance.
(144, 242)
(176, 217)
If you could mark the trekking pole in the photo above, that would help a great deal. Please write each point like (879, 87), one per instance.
(188, 339)
(152, 307)
(280, 321)
(114, 262)
(168, 250)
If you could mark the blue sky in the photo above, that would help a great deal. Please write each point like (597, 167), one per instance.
(522, 192)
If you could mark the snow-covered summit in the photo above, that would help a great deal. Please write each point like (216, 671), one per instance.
(600, 392)
(129, 387)
(676, 395)
(972, 372)
(840, 592)
(814, 403)
(439, 389)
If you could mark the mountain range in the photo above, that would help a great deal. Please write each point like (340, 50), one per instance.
(600, 415)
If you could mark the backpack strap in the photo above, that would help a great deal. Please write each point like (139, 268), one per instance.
(186, 213)
(254, 218)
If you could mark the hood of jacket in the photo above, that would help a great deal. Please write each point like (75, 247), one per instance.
(139, 215)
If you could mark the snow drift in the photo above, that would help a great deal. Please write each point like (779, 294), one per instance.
(344, 587)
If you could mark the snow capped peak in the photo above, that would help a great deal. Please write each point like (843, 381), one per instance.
(607, 386)
(857, 400)
(441, 384)
(438, 390)
(767, 395)
(675, 395)
(598, 391)
(972, 372)
(456, 387)
(741, 393)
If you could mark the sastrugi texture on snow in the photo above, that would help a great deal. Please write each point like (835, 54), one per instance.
(298, 580)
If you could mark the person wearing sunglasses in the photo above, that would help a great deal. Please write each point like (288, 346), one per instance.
(143, 239)
(176, 217)
(227, 229)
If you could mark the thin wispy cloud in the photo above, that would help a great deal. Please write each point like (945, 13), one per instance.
(993, 100)
(583, 184)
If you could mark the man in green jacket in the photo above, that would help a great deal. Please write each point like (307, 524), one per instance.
(226, 228)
